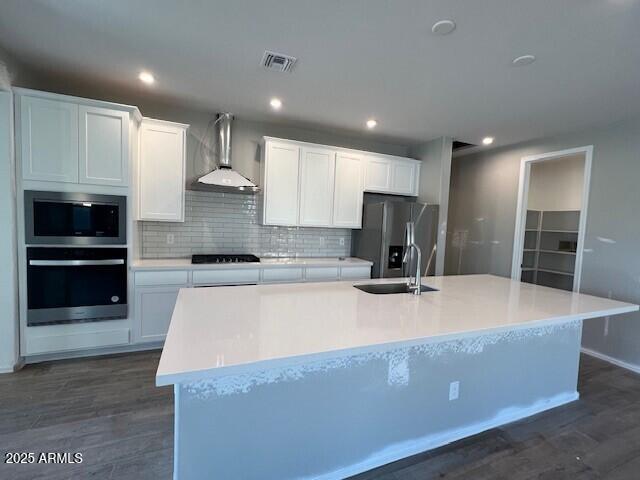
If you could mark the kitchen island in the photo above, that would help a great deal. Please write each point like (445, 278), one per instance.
(324, 381)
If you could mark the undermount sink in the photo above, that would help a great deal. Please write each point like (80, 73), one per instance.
(387, 288)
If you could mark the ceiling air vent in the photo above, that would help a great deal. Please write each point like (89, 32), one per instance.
(458, 145)
(278, 61)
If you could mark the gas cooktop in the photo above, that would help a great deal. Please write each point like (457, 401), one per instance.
(221, 258)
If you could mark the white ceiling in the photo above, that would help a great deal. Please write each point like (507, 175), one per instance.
(357, 59)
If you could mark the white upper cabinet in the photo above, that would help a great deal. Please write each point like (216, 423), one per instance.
(377, 174)
(304, 184)
(161, 171)
(281, 167)
(404, 177)
(391, 175)
(63, 139)
(347, 200)
(49, 140)
(104, 146)
(317, 171)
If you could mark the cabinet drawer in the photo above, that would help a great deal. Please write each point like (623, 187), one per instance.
(355, 273)
(282, 275)
(169, 277)
(226, 277)
(322, 273)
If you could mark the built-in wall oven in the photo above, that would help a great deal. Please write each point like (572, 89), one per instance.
(75, 272)
(70, 218)
(67, 285)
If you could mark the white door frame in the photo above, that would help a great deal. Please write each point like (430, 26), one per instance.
(521, 211)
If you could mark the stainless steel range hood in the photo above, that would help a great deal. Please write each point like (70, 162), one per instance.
(224, 178)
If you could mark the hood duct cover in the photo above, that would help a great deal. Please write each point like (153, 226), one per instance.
(224, 178)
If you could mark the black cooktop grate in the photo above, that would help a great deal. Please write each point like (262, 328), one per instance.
(221, 258)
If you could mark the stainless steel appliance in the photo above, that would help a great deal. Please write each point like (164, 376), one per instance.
(382, 238)
(222, 178)
(70, 218)
(67, 285)
(224, 258)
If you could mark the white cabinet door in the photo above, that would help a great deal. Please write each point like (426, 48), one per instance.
(282, 162)
(161, 171)
(347, 200)
(317, 172)
(104, 146)
(377, 174)
(355, 273)
(404, 177)
(154, 308)
(49, 140)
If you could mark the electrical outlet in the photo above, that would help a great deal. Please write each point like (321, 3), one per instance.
(170, 238)
(341, 241)
(454, 390)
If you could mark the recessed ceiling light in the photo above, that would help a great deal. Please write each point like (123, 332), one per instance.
(523, 60)
(146, 77)
(276, 103)
(487, 140)
(371, 123)
(443, 27)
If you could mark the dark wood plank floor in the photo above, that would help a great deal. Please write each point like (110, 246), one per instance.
(110, 410)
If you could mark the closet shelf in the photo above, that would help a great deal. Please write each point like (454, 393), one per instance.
(556, 272)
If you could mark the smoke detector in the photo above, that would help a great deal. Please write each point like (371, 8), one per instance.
(278, 61)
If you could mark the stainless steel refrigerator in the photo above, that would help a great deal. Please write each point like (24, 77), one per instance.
(382, 237)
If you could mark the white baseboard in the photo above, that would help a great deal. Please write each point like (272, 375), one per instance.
(413, 447)
(12, 368)
(46, 357)
(612, 360)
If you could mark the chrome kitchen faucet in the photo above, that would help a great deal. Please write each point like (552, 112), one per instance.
(413, 283)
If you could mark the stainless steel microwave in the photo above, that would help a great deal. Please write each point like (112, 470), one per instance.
(70, 218)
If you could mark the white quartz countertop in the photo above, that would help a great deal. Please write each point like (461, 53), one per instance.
(185, 263)
(233, 330)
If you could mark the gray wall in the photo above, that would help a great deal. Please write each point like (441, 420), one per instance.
(435, 179)
(484, 189)
(557, 184)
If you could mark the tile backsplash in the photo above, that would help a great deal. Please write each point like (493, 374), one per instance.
(228, 223)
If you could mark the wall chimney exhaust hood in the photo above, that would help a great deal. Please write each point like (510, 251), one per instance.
(224, 178)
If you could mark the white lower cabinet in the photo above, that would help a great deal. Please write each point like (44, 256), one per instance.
(284, 275)
(317, 274)
(156, 291)
(235, 276)
(355, 273)
(154, 307)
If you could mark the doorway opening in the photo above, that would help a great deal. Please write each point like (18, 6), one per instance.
(551, 218)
